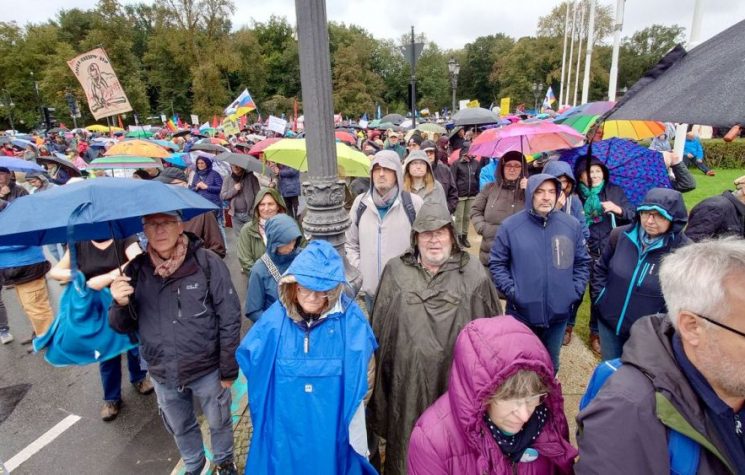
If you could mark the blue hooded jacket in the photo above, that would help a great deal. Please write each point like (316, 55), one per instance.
(540, 263)
(211, 178)
(626, 284)
(307, 379)
(573, 205)
(262, 287)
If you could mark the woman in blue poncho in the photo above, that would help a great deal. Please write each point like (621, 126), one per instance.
(306, 362)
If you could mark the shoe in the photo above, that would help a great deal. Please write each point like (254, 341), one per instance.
(110, 410)
(145, 386)
(595, 343)
(226, 468)
(6, 337)
(198, 471)
(711, 173)
(567, 336)
(27, 341)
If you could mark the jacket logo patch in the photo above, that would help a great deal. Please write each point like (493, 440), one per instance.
(194, 286)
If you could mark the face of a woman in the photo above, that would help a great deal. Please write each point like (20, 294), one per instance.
(311, 301)
(511, 415)
(267, 207)
(417, 169)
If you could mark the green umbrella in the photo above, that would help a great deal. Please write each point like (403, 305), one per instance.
(292, 152)
(125, 161)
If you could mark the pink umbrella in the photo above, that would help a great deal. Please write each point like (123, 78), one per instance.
(527, 138)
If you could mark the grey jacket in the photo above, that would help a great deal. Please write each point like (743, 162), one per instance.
(624, 429)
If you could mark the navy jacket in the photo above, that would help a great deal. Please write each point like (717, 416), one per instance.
(626, 285)
(599, 232)
(289, 181)
(540, 263)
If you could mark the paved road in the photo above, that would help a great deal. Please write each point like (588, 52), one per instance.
(134, 443)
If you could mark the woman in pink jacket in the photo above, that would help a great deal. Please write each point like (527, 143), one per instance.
(503, 412)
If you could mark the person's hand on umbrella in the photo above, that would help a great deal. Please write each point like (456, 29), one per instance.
(611, 207)
(121, 290)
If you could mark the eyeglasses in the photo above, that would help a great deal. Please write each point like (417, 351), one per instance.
(720, 325)
(644, 215)
(305, 293)
(163, 224)
(532, 402)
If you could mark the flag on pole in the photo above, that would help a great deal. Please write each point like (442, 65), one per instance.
(241, 106)
(549, 100)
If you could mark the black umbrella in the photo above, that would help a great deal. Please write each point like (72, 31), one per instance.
(701, 86)
(72, 170)
(475, 116)
(395, 119)
(248, 162)
(209, 147)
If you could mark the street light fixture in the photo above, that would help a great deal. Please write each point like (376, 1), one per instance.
(537, 90)
(454, 69)
(7, 101)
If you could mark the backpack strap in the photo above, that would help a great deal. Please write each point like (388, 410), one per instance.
(272, 268)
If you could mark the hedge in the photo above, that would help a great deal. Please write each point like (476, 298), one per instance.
(720, 154)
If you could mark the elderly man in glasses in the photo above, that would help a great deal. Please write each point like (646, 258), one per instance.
(179, 299)
(682, 375)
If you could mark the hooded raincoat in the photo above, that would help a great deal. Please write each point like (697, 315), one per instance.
(451, 437)
(416, 318)
(262, 285)
(495, 203)
(540, 263)
(250, 243)
(373, 241)
(306, 381)
(626, 284)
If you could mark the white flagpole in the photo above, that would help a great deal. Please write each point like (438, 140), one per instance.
(588, 57)
(613, 80)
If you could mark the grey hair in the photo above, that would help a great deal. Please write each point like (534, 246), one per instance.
(693, 277)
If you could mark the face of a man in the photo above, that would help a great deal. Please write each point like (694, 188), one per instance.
(384, 179)
(544, 198)
(163, 231)
(434, 246)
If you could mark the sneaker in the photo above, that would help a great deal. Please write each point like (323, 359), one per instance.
(5, 337)
(110, 410)
(226, 468)
(198, 471)
(145, 386)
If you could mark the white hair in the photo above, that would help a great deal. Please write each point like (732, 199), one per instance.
(693, 277)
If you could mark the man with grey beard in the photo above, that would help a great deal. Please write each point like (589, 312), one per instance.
(682, 374)
(425, 297)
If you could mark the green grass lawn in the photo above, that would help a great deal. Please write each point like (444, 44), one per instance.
(706, 186)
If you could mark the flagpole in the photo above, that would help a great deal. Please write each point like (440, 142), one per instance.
(579, 53)
(571, 55)
(564, 54)
(613, 80)
(588, 51)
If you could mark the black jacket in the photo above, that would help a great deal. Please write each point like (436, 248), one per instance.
(185, 331)
(466, 176)
(721, 215)
(445, 177)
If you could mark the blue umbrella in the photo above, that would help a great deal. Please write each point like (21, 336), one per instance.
(19, 165)
(634, 168)
(93, 209)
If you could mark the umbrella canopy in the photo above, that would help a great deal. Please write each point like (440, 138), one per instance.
(527, 138)
(292, 152)
(634, 168)
(137, 148)
(701, 86)
(395, 119)
(125, 161)
(209, 147)
(431, 128)
(94, 209)
(475, 116)
(71, 169)
(247, 162)
(19, 165)
(259, 147)
(345, 137)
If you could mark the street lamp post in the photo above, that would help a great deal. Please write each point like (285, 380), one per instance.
(537, 89)
(7, 101)
(454, 69)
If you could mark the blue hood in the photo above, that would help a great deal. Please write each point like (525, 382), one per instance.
(668, 203)
(318, 267)
(280, 230)
(533, 183)
(558, 168)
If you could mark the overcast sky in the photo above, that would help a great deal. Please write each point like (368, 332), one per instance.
(451, 25)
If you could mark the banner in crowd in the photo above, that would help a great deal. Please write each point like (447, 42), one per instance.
(102, 88)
